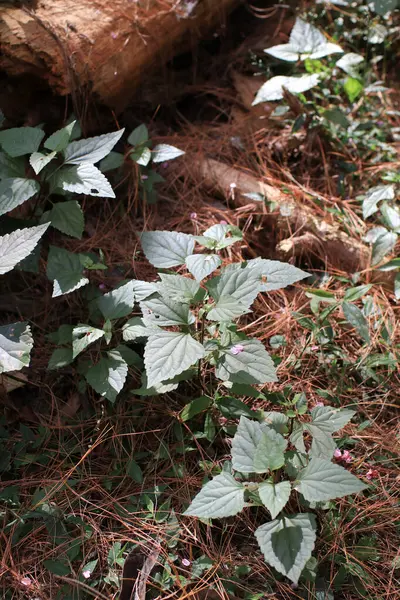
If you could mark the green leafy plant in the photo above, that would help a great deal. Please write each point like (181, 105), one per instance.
(270, 464)
(187, 322)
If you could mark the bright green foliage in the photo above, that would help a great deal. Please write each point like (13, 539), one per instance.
(65, 269)
(108, 376)
(257, 448)
(16, 343)
(17, 245)
(15, 191)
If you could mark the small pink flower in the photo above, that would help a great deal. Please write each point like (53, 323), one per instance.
(223, 420)
(165, 164)
(346, 456)
(102, 286)
(186, 562)
(223, 222)
(86, 574)
(372, 474)
(319, 404)
(26, 581)
(314, 348)
(144, 177)
(337, 453)
(193, 215)
(114, 35)
(237, 349)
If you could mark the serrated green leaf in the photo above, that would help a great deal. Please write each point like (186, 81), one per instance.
(91, 150)
(68, 218)
(139, 136)
(38, 160)
(391, 215)
(276, 275)
(277, 421)
(166, 249)
(65, 270)
(274, 496)
(227, 309)
(322, 446)
(83, 336)
(135, 328)
(108, 376)
(297, 437)
(21, 140)
(141, 156)
(131, 357)
(59, 140)
(223, 496)
(253, 365)
(202, 265)
(356, 318)
(163, 312)
(84, 179)
(15, 191)
(232, 408)
(216, 236)
(329, 419)
(391, 265)
(118, 303)
(165, 152)
(16, 343)
(16, 246)
(374, 196)
(287, 543)
(178, 288)
(168, 354)
(114, 160)
(323, 480)
(384, 244)
(244, 444)
(195, 407)
(62, 336)
(143, 289)
(353, 88)
(269, 454)
(11, 167)
(61, 357)
(244, 284)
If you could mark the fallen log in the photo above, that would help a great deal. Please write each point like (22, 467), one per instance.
(304, 230)
(105, 47)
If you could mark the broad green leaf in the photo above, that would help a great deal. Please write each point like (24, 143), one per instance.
(269, 454)
(141, 156)
(381, 7)
(165, 152)
(15, 191)
(274, 274)
(58, 567)
(232, 408)
(11, 167)
(353, 88)
(134, 471)
(349, 63)
(356, 318)
(273, 88)
(244, 444)
(163, 312)
(16, 343)
(195, 407)
(223, 496)
(135, 328)
(329, 419)
(165, 249)
(355, 293)
(323, 480)
(391, 215)
(253, 365)
(62, 336)
(277, 421)
(274, 496)
(59, 140)
(396, 288)
(114, 160)
(68, 218)
(202, 265)
(215, 237)
(17, 245)
(391, 265)
(21, 140)
(384, 244)
(238, 281)
(91, 150)
(374, 196)
(297, 437)
(139, 136)
(178, 288)
(108, 376)
(61, 357)
(143, 289)
(65, 270)
(227, 309)
(118, 303)
(38, 160)
(83, 336)
(168, 354)
(84, 179)
(131, 357)
(287, 543)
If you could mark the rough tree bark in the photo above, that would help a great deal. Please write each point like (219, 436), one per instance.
(106, 46)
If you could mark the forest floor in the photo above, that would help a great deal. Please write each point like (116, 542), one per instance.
(117, 478)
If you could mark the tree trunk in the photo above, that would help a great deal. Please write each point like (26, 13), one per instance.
(107, 47)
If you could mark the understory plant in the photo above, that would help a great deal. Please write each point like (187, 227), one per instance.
(272, 463)
(186, 320)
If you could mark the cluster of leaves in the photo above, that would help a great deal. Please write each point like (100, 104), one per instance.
(274, 447)
(42, 170)
(186, 320)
